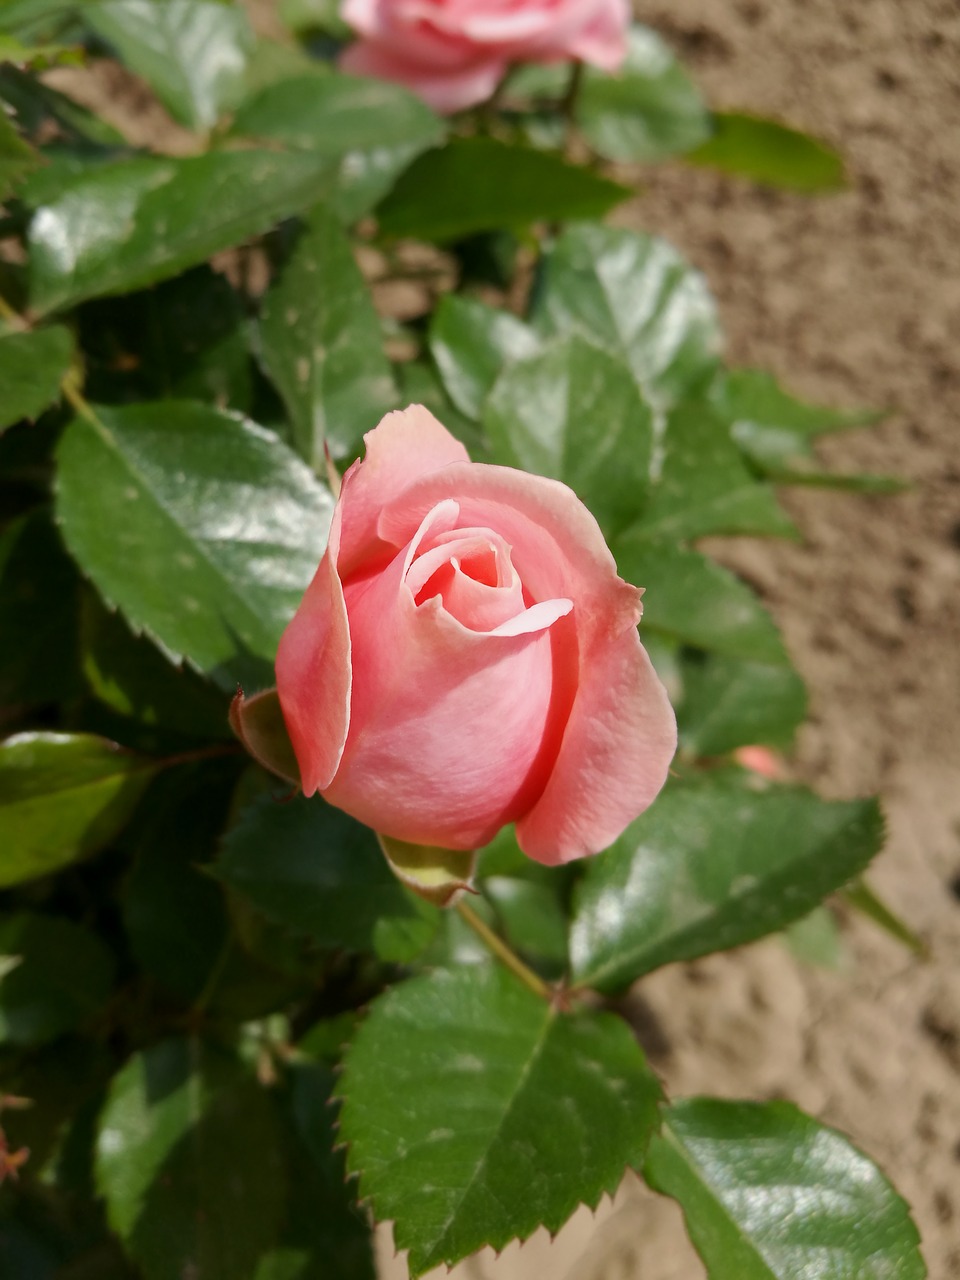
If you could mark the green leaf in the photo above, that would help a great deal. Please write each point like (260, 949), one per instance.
(575, 413)
(64, 976)
(189, 1163)
(770, 1194)
(770, 153)
(532, 918)
(470, 344)
(375, 128)
(136, 221)
(129, 674)
(38, 614)
(306, 865)
(17, 157)
(703, 486)
(698, 601)
(62, 796)
(775, 431)
(32, 366)
(217, 530)
(481, 184)
(475, 1112)
(715, 863)
(729, 703)
(321, 344)
(192, 53)
(648, 110)
(635, 295)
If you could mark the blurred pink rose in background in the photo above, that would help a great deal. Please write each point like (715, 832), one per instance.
(454, 53)
(467, 656)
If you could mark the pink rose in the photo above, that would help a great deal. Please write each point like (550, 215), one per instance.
(466, 656)
(454, 53)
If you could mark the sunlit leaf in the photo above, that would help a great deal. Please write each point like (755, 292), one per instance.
(62, 796)
(770, 1194)
(715, 863)
(771, 153)
(475, 1111)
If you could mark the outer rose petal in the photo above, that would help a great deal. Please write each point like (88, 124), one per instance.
(621, 734)
(314, 672)
(453, 731)
(445, 89)
(404, 446)
(616, 751)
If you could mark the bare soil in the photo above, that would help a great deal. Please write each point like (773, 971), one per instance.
(851, 300)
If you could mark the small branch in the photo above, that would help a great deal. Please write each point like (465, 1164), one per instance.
(503, 952)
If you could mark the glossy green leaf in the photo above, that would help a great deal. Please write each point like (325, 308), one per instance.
(64, 975)
(481, 184)
(136, 221)
(38, 614)
(770, 153)
(306, 865)
(217, 528)
(188, 1161)
(698, 601)
(192, 53)
(715, 863)
(470, 344)
(635, 295)
(729, 703)
(62, 796)
(31, 368)
(375, 128)
(775, 431)
(703, 486)
(17, 157)
(648, 110)
(321, 344)
(575, 413)
(475, 1112)
(770, 1194)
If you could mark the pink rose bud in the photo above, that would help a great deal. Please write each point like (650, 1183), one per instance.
(466, 656)
(454, 53)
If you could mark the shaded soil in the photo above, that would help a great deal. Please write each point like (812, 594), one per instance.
(851, 300)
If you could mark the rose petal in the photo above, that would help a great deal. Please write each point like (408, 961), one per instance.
(314, 672)
(463, 78)
(615, 755)
(403, 447)
(556, 545)
(453, 732)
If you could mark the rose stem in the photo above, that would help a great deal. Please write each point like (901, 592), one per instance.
(503, 952)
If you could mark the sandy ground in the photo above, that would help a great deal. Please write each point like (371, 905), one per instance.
(852, 299)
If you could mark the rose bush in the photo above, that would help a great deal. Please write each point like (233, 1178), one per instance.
(466, 656)
(454, 53)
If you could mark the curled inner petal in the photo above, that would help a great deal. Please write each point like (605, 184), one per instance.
(470, 573)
